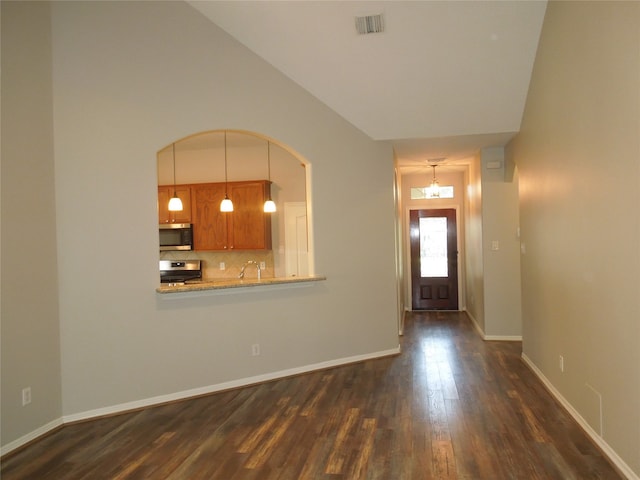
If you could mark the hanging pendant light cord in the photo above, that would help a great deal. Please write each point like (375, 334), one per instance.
(269, 205)
(174, 169)
(225, 164)
(226, 205)
(269, 161)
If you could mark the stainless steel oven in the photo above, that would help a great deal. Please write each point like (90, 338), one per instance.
(180, 272)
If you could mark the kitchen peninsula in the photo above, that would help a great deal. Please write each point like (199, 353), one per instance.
(236, 283)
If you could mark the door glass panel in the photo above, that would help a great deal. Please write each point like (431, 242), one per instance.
(433, 247)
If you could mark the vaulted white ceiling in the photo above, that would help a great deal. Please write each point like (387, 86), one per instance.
(444, 78)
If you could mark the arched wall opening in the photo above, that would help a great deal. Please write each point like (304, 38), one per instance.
(250, 156)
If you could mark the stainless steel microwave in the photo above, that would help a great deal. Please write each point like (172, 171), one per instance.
(176, 236)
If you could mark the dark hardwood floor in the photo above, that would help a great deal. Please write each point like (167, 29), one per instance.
(451, 406)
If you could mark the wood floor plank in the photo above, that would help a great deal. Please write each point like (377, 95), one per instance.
(312, 403)
(259, 456)
(336, 460)
(364, 449)
(451, 406)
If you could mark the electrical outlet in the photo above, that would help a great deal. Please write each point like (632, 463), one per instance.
(26, 396)
(222, 266)
(561, 363)
(255, 349)
(263, 265)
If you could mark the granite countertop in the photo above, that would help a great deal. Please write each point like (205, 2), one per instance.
(227, 283)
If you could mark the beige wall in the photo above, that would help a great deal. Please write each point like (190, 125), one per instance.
(578, 156)
(125, 87)
(401, 274)
(474, 279)
(30, 323)
(493, 275)
(500, 248)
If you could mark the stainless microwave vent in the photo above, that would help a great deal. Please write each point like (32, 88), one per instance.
(369, 24)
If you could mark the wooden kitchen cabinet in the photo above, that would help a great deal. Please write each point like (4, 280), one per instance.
(209, 223)
(164, 194)
(249, 228)
(246, 228)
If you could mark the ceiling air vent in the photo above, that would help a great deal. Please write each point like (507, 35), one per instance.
(369, 24)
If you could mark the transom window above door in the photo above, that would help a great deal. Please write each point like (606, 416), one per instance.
(424, 193)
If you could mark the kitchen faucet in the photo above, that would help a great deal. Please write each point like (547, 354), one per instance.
(250, 262)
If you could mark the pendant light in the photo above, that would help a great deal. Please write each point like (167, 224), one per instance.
(226, 205)
(434, 189)
(269, 205)
(175, 204)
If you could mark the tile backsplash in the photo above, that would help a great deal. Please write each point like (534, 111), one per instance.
(233, 262)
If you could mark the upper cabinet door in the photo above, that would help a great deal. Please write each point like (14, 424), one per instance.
(164, 194)
(163, 205)
(249, 227)
(209, 223)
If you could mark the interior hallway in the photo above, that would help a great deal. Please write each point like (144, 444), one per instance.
(450, 406)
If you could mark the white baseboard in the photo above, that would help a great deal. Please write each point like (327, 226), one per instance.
(503, 338)
(499, 338)
(243, 382)
(475, 323)
(149, 402)
(604, 446)
(29, 437)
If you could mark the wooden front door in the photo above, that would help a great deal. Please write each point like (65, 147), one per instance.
(434, 259)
